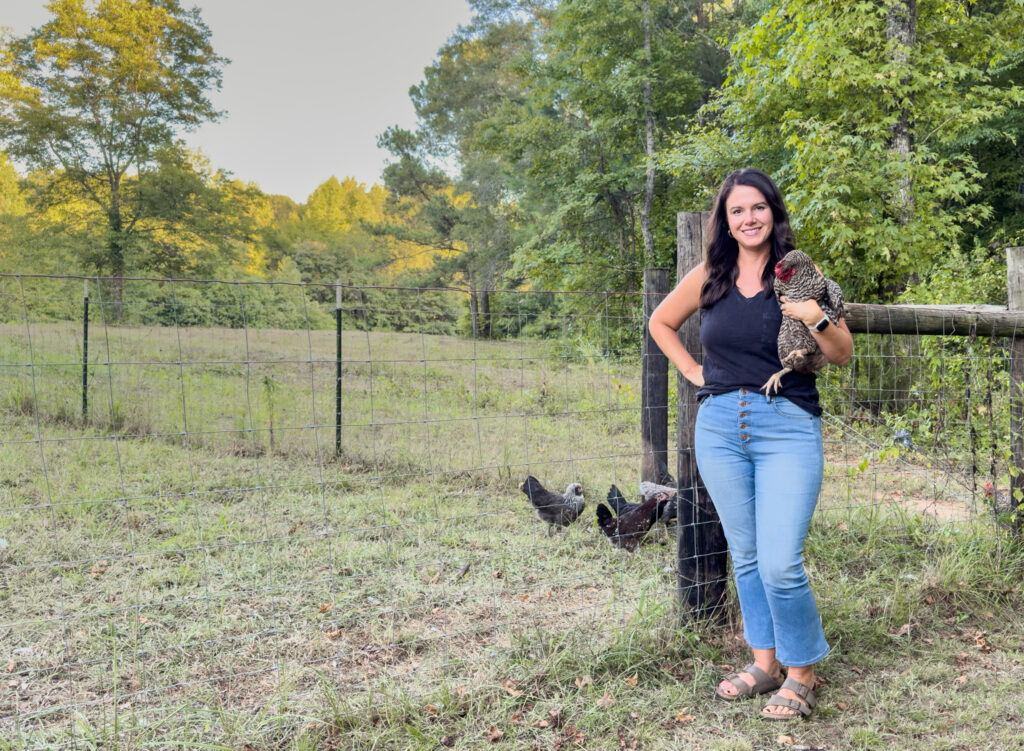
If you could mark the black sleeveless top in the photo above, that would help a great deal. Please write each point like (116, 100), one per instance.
(740, 340)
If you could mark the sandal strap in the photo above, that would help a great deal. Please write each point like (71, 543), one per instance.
(781, 701)
(806, 693)
(758, 675)
(763, 683)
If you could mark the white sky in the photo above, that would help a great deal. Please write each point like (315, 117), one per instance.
(311, 83)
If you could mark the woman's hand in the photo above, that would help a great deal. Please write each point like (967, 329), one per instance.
(695, 375)
(807, 312)
(835, 341)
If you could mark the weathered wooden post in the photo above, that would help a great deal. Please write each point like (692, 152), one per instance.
(1015, 301)
(654, 385)
(702, 551)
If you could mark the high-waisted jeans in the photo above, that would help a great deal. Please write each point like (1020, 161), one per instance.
(761, 460)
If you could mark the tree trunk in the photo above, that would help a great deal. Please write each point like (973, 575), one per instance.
(116, 247)
(645, 210)
(485, 313)
(901, 29)
(474, 314)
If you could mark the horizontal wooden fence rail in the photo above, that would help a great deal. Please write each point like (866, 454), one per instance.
(934, 320)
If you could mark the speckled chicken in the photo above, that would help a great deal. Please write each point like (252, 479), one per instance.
(554, 508)
(798, 279)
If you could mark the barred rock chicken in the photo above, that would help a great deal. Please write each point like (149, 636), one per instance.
(554, 508)
(631, 525)
(798, 279)
(667, 508)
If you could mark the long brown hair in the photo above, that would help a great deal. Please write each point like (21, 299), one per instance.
(721, 250)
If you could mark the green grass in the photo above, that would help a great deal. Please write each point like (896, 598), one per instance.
(193, 565)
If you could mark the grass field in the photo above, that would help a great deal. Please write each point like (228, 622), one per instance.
(194, 565)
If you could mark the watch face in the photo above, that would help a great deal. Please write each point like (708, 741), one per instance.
(821, 325)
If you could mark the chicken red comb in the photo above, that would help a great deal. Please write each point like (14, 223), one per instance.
(783, 273)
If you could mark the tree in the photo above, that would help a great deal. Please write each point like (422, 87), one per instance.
(607, 84)
(862, 112)
(99, 91)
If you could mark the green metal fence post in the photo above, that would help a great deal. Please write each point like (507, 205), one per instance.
(85, 355)
(337, 377)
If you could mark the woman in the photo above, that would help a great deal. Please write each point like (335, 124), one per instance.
(759, 456)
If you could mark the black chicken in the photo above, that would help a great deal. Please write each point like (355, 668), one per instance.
(554, 508)
(618, 502)
(666, 500)
(664, 476)
(798, 279)
(628, 529)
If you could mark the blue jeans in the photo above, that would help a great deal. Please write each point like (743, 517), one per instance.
(761, 460)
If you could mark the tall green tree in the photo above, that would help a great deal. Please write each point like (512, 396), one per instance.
(97, 93)
(863, 111)
(609, 82)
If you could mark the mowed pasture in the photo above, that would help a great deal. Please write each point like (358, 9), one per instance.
(195, 563)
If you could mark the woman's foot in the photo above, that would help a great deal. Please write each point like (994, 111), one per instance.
(753, 680)
(796, 696)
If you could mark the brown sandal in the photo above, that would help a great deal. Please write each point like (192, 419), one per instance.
(801, 707)
(763, 684)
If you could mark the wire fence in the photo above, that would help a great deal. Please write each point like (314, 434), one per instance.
(237, 496)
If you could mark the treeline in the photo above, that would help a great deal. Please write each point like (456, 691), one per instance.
(556, 142)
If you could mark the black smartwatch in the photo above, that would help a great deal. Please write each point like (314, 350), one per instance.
(820, 325)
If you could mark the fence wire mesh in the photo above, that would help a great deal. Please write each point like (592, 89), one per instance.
(192, 532)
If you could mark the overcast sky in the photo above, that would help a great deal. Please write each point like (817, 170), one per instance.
(311, 83)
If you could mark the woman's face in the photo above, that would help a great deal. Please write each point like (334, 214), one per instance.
(750, 218)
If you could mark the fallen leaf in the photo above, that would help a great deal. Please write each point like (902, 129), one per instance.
(961, 680)
(525, 598)
(584, 681)
(784, 740)
(430, 708)
(326, 607)
(493, 734)
(555, 717)
(857, 670)
(510, 688)
(904, 629)
(497, 574)
(929, 600)
(634, 715)
(842, 526)
(447, 741)
(632, 680)
(539, 724)
(842, 706)
(515, 718)
(682, 717)
(10, 666)
(605, 701)
(335, 634)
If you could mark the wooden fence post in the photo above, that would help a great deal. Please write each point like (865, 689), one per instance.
(654, 385)
(702, 548)
(1015, 301)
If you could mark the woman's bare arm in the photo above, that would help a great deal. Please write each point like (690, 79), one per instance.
(678, 305)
